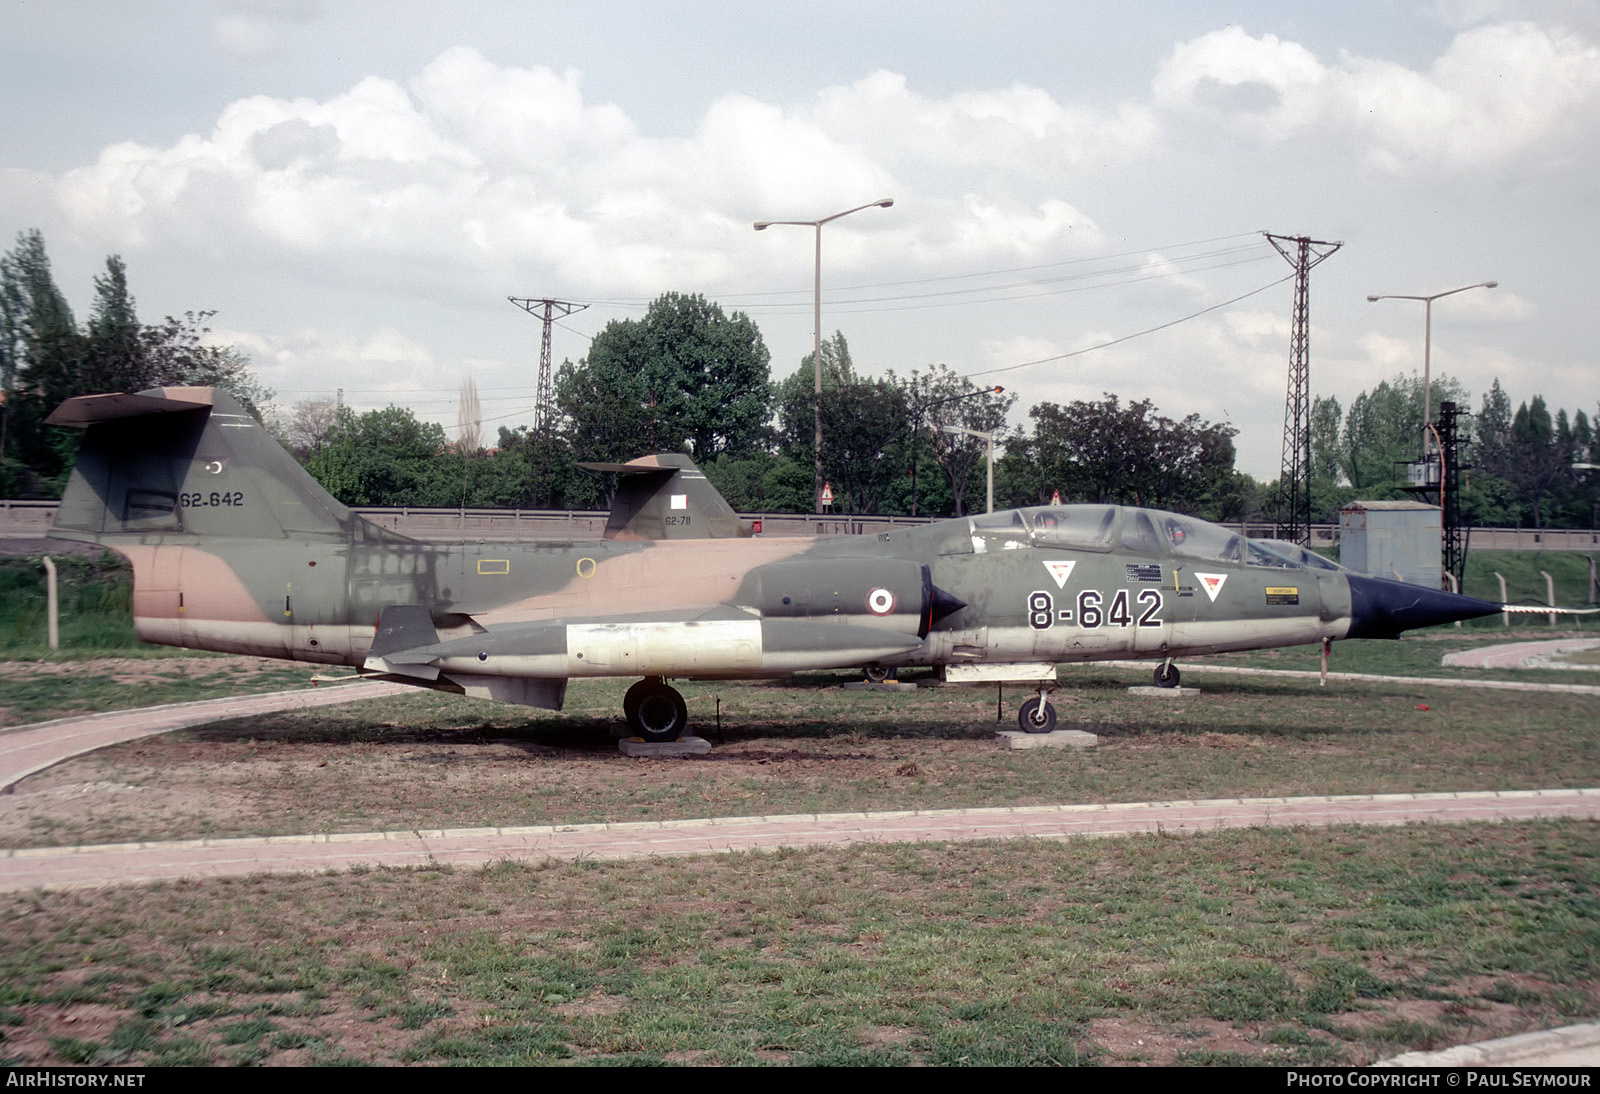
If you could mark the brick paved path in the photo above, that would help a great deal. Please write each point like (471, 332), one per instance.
(90, 866)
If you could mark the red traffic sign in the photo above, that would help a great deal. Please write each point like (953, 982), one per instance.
(827, 493)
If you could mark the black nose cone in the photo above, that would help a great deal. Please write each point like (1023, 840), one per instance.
(1380, 608)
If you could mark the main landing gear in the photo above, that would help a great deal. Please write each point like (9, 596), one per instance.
(655, 711)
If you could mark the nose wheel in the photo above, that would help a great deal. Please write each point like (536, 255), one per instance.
(1037, 715)
(655, 711)
(1167, 675)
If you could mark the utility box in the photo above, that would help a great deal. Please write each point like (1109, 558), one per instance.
(1399, 540)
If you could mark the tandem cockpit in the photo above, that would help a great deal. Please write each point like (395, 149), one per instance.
(1156, 532)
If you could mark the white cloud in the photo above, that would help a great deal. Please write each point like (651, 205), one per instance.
(479, 171)
(1511, 97)
(1001, 131)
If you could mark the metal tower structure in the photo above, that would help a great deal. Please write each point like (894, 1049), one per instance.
(1294, 483)
(549, 311)
(1452, 454)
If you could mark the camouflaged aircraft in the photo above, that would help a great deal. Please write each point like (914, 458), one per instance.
(236, 548)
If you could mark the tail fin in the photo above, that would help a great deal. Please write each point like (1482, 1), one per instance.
(186, 460)
(667, 497)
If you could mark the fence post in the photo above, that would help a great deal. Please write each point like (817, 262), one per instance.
(50, 603)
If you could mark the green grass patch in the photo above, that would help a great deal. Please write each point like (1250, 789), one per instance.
(94, 597)
(1262, 946)
(429, 760)
(1525, 582)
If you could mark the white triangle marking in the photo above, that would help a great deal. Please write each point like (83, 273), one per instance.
(1060, 571)
(1212, 584)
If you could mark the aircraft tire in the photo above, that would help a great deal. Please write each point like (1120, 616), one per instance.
(655, 711)
(1037, 716)
(1167, 676)
(877, 674)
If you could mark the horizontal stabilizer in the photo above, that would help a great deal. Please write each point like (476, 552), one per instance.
(666, 496)
(85, 410)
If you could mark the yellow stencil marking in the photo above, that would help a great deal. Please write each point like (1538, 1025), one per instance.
(494, 565)
(586, 567)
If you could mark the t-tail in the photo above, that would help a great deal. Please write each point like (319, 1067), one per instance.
(179, 464)
(667, 497)
(235, 547)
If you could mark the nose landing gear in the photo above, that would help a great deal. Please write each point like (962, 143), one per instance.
(1037, 715)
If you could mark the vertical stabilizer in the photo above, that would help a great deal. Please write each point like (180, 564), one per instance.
(667, 497)
(186, 462)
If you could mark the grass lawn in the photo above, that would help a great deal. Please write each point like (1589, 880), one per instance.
(1334, 946)
(429, 760)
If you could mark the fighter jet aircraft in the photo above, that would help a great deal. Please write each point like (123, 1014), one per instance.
(236, 548)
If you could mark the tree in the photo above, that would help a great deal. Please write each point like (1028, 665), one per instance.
(1107, 451)
(1530, 456)
(387, 457)
(309, 425)
(546, 466)
(684, 377)
(177, 354)
(936, 398)
(41, 350)
(864, 428)
(42, 343)
(604, 414)
(1383, 431)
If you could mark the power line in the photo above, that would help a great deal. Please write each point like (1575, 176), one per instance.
(1213, 259)
(1127, 337)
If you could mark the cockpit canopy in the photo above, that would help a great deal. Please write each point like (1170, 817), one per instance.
(1144, 531)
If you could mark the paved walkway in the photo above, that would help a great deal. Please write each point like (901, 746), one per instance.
(1370, 678)
(1569, 1046)
(1519, 655)
(25, 750)
(118, 864)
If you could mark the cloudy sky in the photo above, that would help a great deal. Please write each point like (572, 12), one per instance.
(357, 187)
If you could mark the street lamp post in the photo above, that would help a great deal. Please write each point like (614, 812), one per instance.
(1427, 345)
(987, 437)
(816, 352)
(916, 429)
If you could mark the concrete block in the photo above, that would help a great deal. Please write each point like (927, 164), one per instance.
(663, 750)
(1060, 738)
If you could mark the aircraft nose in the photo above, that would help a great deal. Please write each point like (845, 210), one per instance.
(1380, 608)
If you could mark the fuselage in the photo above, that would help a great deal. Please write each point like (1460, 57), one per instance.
(1072, 583)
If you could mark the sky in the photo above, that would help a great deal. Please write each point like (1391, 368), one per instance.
(1080, 190)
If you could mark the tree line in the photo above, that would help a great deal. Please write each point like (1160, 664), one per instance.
(1520, 466)
(688, 377)
(47, 356)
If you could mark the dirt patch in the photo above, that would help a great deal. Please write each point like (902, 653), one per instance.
(128, 670)
(1127, 1041)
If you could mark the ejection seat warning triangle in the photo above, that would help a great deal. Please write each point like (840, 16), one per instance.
(1212, 584)
(1060, 571)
